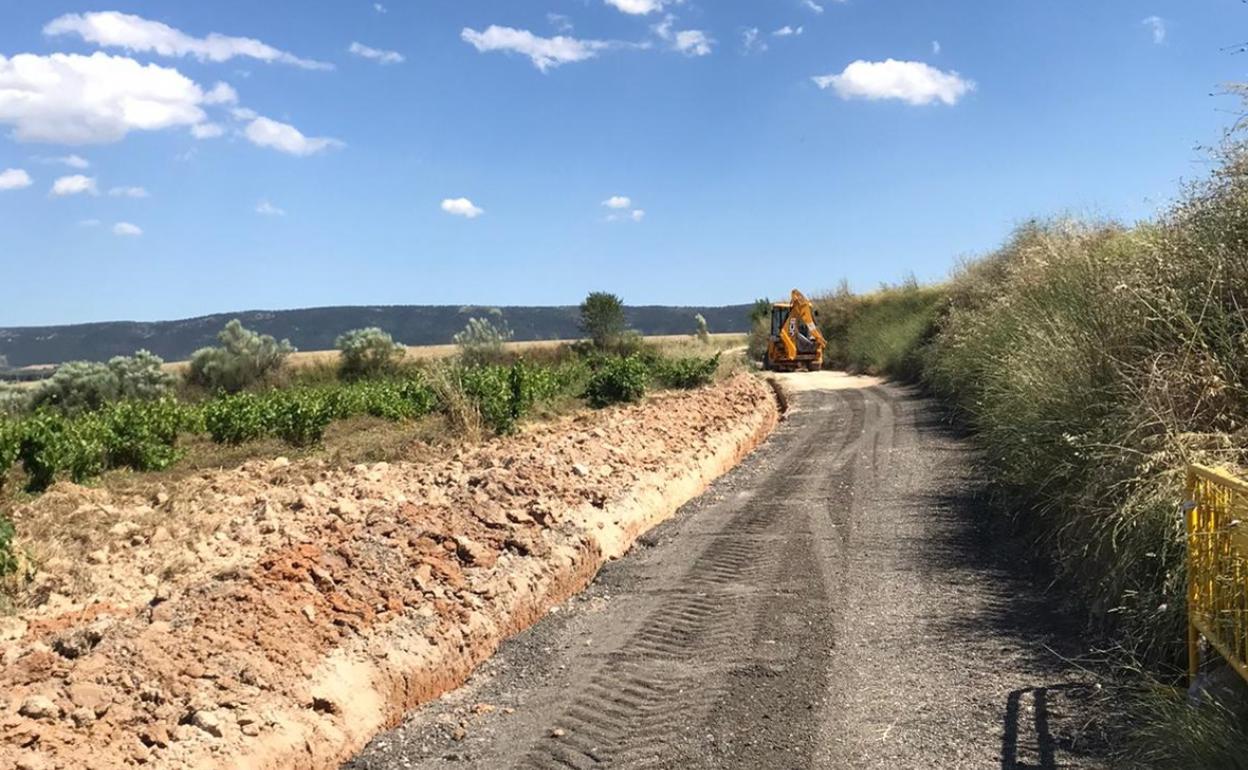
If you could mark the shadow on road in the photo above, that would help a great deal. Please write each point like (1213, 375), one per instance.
(1052, 722)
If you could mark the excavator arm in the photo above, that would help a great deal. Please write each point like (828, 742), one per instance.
(800, 333)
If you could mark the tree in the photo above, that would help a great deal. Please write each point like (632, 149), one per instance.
(602, 318)
(368, 352)
(760, 311)
(88, 385)
(4, 363)
(243, 358)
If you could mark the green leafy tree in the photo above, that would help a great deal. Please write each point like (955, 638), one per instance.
(369, 352)
(141, 376)
(482, 341)
(602, 319)
(760, 310)
(243, 358)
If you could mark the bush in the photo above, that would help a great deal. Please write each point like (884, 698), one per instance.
(83, 386)
(10, 443)
(483, 340)
(8, 557)
(685, 373)
(52, 443)
(617, 380)
(141, 377)
(368, 353)
(236, 419)
(299, 417)
(142, 436)
(602, 319)
(78, 386)
(13, 399)
(244, 358)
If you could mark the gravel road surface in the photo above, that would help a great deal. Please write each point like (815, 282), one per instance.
(828, 604)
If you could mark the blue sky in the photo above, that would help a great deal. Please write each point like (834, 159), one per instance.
(886, 138)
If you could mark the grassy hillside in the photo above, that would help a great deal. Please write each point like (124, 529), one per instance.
(317, 328)
(1093, 361)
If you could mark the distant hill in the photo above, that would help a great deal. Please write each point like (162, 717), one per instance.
(317, 328)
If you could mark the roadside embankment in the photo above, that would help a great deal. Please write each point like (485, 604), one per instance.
(278, 615)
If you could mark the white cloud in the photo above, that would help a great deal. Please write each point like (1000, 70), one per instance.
(129, 192)
(126, 229)
(264, 132)
(134, 33)
(639, 7)
(1158, 27)
(74, 99)
(379, 8)
(560, 22)
(750, 40)
(462, 207)
(787, 31)
(376, 54)
(14, 179)
(911, 82)
(73, 161)
(544, 52)
(618, 202)
(221, 93)
(243, 113)
(637, 215)
(812, 5)
(690, 42)
(77, 184)
(936, 47)
(264, 208)
(207, 131)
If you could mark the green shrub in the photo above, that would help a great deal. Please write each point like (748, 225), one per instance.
(368, 353)
(244, 358)
(142, 435)
(617, 380)
(686, 373)
(80, 386)
(8, 557)
(700, 329)
(52, 443)
(299, 417)
(489, 389)
(236, 419)
(10, 443)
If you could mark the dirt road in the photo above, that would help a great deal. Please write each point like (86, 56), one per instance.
(828, 604)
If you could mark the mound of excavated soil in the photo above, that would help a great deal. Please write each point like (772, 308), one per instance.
(280, 614)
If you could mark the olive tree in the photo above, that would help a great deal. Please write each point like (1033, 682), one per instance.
(243, 358)
(368, 352)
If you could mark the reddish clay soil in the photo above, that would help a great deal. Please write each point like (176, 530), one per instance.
(280, 614)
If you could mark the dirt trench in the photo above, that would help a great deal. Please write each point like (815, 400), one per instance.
(322, 605)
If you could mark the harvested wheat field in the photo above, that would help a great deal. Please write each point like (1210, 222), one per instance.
(280, 614)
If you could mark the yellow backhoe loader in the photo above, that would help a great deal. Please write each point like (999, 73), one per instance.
(794, 341)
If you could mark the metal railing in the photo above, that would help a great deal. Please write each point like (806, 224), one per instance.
(1217, 567)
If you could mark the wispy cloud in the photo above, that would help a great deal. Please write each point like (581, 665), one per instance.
(787, 31)
(690, 42)
(283, 137)
(751, 41)
(545, 52)
(73, 161)
(376, 54)
(129, 192)
(618, 202)
(908, 81)
(379, 8)
(127, 230)
(1158, 27)
(462, 207)
(267, 209)
(113, 29)
(936, 47)
(813, 6)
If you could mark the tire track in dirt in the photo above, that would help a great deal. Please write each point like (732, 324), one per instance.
(817, 608)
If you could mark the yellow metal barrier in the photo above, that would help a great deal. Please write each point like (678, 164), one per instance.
(1217, 566)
